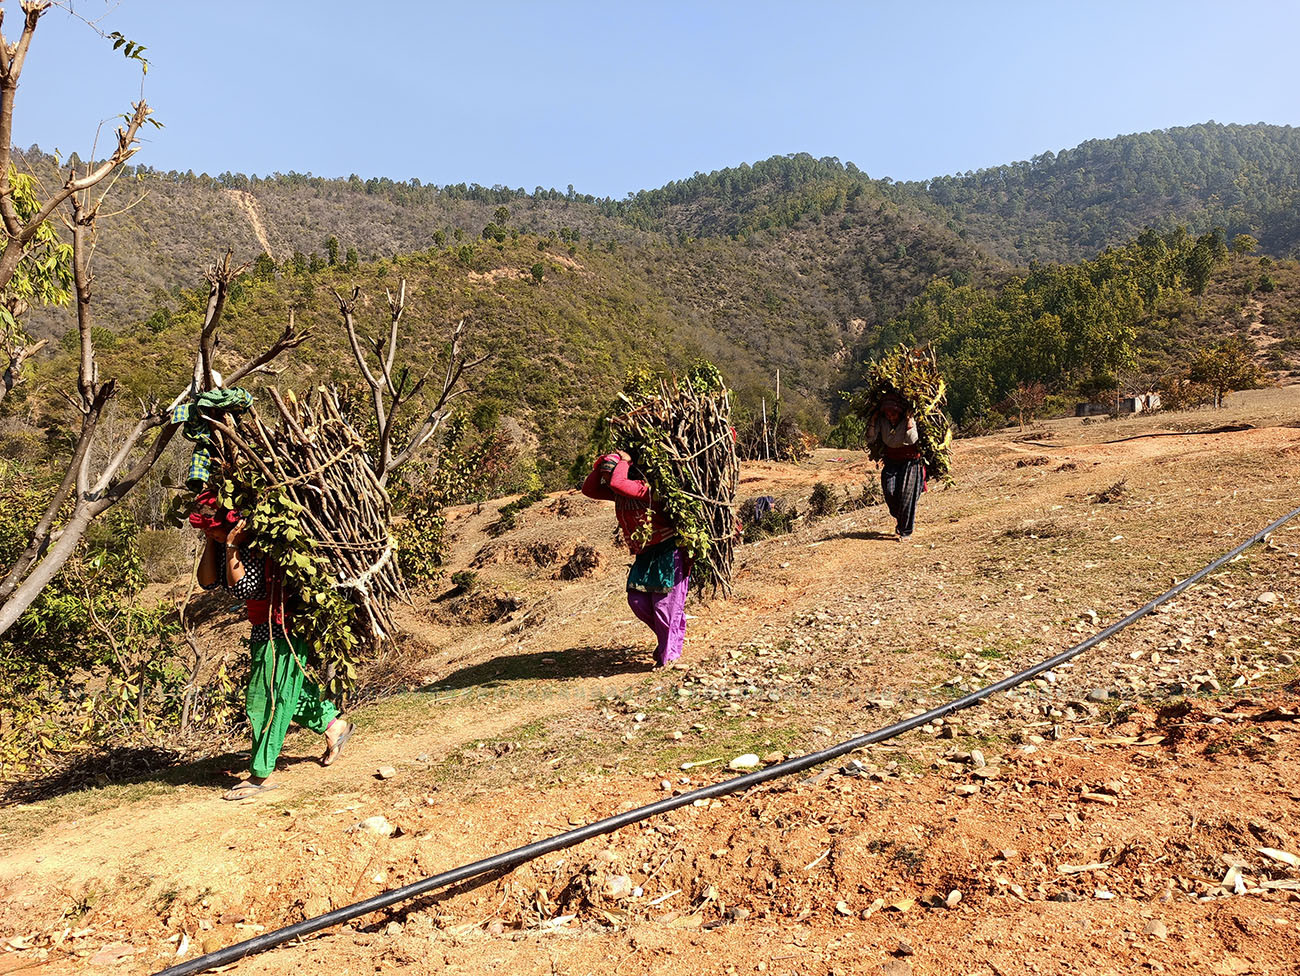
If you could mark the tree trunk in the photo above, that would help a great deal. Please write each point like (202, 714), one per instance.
(25, 594)
(140, 692)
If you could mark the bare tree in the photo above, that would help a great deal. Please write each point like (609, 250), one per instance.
(1027, 398)
(92, 493)
(391, 391)
(20, 230)
(93, 481)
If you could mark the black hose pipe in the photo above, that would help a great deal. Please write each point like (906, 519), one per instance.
(511, 859)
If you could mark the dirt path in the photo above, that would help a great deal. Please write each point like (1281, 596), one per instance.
(523, 725)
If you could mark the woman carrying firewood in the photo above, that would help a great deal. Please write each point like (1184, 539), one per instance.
(660, 575)
(902, 479)
(279, 692)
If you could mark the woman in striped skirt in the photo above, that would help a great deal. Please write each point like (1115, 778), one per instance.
(902, 479)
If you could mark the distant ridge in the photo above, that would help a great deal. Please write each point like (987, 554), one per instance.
(1062, 207)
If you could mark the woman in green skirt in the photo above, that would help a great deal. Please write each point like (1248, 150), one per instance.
(279, 692)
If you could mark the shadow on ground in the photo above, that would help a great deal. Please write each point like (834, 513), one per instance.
(125, 765)
(865, 535)
(129, 764)
(576, 662)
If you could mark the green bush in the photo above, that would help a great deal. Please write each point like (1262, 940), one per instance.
(850, 434)
(823, 501)
(777, 520)
(467, 469)
(508, 517)
(92, 664)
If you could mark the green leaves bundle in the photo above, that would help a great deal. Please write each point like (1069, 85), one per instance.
(912, 374)
(678, 432)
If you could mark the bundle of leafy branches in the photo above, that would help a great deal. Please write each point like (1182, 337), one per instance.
(775, 440)
(913, 375)
(678, 432)
(319, 512)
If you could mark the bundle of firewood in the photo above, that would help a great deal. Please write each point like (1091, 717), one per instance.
(318, 510)
(679, 434)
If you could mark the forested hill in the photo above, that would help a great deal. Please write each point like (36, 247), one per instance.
(794, 263)
(784, 266)
(765, 196)
(178, 221)
(564, 310)
(1054, 207)
(1058, 207)
(1067, 206)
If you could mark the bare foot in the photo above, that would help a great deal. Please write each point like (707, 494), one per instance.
(337, 734)
(249, 788)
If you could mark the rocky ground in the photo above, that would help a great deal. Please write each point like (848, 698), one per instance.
(1137, 809)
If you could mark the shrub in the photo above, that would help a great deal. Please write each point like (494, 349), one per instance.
(1180, 393)
(1113, 493)
(465, 580)
(466, 470)
(868, 497)
(584, 561)
(822, 502)
(778, 518)
(785, 440)
(93, 668)
(850, 434)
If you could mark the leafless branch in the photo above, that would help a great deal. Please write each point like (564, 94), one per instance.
(219, 275)
(129, 207)
(17, 233)
(390, 393)
(290, 338)
(90, 495)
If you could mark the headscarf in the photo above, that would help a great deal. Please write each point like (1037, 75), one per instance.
(218, 519)
(892, 400)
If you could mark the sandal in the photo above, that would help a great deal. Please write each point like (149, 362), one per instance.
(248, 789)
(332, 752)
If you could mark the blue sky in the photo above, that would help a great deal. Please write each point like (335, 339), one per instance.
(618, 96)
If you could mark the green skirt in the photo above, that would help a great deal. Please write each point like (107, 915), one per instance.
(279, 694)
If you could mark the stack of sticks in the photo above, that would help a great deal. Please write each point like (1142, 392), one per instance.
(680, 437)
(344, 511)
